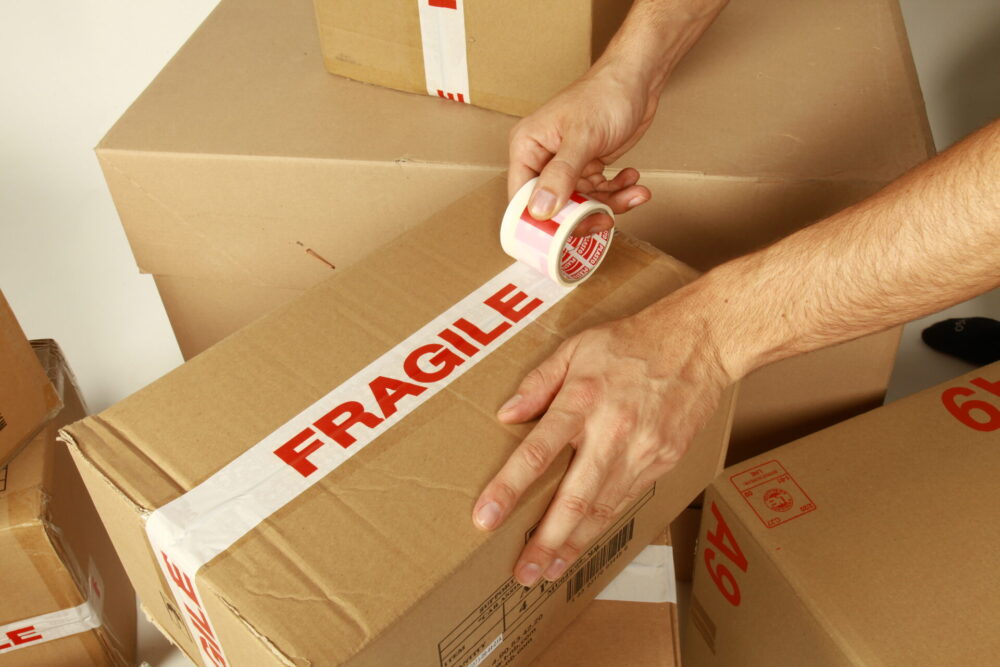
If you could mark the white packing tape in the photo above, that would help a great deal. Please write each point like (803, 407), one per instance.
(442, 36)
(548, 246)
(648, 578)
(57, 624)
(191, 530)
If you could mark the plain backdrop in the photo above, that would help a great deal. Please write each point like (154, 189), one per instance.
(69, 69)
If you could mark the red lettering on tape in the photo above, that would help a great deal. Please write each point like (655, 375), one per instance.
(196, 614)
(443, 4)
(20, 636)
(443, 360)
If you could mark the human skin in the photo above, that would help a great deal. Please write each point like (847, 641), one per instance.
(630, 395)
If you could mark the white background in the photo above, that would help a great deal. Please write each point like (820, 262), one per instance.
(69, 69)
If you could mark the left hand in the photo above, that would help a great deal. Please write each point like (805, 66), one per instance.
(628, 396)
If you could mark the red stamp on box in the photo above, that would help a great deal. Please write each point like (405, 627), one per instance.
(772, 493)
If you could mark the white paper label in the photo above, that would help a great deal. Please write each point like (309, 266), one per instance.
(191, 530)
(442, 35)
(648, 578)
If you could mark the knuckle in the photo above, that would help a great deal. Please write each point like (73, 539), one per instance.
(506, 493)
(572, 549)
(535, 455)
(583, 393)
(602, 512)
(562, 169)
(575, 506)
(533, 380)
(667, 457)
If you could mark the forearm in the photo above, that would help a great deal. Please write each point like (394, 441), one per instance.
(927, 241)
(655, 36)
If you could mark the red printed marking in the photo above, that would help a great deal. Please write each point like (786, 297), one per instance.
(975, 413)
(443, 4)
(772, 493)
(209, 643)
(20, 636)
(724, 540)
(578, 198)
(550, 227)
(451, 96)
(425, 365)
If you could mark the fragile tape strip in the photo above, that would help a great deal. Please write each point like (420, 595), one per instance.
(548, 246)
(57, 624)
(648, 578)
(191, 530)
(442, 36)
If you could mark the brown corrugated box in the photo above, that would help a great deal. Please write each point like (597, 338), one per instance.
(519, 52)
(378, 562)
(27, 398)
(56, 554)
(873, 542)
(245, 172)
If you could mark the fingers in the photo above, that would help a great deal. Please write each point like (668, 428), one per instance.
(527, 157)
(526, 464)
(594, 224)
(558, 178)
(574, 502)
(538, 387)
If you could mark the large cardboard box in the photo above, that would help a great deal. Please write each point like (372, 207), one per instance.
(306, 485)
(66, 599)
(245, 173)
(870, 543)
(27, 398)
(511, 56)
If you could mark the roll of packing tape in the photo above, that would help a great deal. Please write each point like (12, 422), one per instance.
(547, 245)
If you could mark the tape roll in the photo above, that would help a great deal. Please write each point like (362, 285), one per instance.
(548, 245)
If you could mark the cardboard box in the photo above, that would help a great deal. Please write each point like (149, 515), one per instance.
(27, 398)
(376, 562)
(245, 172)
(66, 599)
(870, 543)
(632, 622)
(514, 55)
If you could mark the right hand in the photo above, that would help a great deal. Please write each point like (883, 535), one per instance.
(569, 140)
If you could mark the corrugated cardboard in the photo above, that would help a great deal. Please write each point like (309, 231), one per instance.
(613, 633)
(245, 172)
(27, 398)
(52, 539)
(520, 52)
(378, 563)
(870, 543)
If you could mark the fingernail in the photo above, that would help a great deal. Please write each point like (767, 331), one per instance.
(528, 574)
(542, 204)
(555, 570)
(488, 516)
(510, 404)
(636, 201)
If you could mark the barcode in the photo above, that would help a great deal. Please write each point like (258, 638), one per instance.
(3, 478)
(593, 567)
(3, 423)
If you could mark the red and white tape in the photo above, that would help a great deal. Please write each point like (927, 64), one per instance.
(442, 36)
(57, 624)
(548, 246)
(191, 530)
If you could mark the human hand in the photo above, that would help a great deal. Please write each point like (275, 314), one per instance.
(569, 140)
(628, 396)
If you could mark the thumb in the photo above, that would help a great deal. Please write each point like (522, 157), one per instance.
(557, 180)
(538, 387)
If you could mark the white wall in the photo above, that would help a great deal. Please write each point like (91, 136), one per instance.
(69, 69)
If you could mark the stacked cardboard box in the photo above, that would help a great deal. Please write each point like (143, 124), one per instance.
(246, 173)
(66, 599)
(870, 543)
(304, 488)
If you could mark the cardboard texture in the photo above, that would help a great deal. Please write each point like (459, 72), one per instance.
(870, 543)
(27, 398)
(519, 53)
(245, 172)
(611, 633)
(377, 563)
(52, 539)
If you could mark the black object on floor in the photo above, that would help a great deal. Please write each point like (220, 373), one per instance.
(972, 339)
